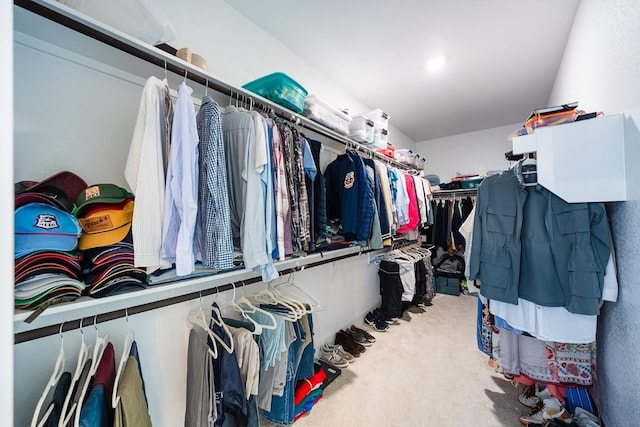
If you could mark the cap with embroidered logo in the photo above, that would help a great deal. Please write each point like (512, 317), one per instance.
(104, 225)
(39, 226)
(100, 193)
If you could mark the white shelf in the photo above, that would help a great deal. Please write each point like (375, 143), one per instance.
(89, 307)
(587, 161)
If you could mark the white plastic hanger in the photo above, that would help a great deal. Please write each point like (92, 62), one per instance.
(310, 303)
(58, 369)
(268, 297)
(217, 319)
(197, 318)
(128, 341)
(68, 408)
(98, 351)
(245, 307)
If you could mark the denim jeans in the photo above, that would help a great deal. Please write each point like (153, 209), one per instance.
(305, 367)
(282, 407)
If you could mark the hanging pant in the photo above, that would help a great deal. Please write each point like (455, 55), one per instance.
(391, 288)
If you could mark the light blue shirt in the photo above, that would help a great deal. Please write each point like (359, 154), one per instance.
(181, 189)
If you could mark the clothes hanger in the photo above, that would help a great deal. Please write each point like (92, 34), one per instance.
(98, 351)
(68, 407)
(58, 369)
(217, 320)
(128, 341)
(197, 318)
(245, 307)
(308, 299)
(268, 297)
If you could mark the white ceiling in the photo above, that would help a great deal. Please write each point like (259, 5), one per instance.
(502, 55)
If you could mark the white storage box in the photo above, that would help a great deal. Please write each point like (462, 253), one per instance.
(325, 114)
(361, 129)
(380, 137)
(402, 155)
(379, 117)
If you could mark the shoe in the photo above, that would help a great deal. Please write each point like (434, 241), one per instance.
(341, 351)
(585, 418)
(332, 357)
(416, 309)
(548, 409)
(381, 315)
(375, 323)
(358, 337)
(531, 395)
(366, 334)
(347, 342)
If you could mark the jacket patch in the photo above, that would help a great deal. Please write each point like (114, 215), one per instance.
(349, 180)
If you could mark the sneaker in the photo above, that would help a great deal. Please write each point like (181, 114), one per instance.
(347, 342)
(366, 334)
(332, 357)
(415, 309)
(376, 324)
(358, 337)
(547, 409)
(585, 418)
(532, 395)
(341, 351)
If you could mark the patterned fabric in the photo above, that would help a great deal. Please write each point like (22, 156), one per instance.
(572, 363)
(303, 198)
(281, 188)
(214, 223)
(289, 161)
(484, 332)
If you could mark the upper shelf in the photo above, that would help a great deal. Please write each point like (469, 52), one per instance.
(70, 18)
(587, 161)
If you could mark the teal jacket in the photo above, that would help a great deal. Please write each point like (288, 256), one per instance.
(528, 243)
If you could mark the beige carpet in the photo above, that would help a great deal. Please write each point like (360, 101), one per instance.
(425, 372)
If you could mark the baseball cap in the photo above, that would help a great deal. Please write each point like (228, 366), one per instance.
(102, 194)
(59, 190)
(39, 226)
(105, 224)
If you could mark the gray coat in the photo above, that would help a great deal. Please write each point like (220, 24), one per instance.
(529, 243)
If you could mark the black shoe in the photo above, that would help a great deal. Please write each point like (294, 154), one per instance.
(358, 337)
(347, 342)
(366, 334)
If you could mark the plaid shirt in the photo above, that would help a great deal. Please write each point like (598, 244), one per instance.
(281, 190)
(213, 211)
(303, 197)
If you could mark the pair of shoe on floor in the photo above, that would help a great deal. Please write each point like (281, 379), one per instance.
(349, 344)
(549, 411)
(378, 320)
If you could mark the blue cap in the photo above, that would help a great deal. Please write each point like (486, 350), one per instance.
(39, 226)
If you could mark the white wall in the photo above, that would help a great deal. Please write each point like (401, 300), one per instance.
(6, 208)
(467, 153)
(238, 51)
(83, 121)
(601, 69)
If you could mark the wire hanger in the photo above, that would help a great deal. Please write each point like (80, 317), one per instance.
(58, 370)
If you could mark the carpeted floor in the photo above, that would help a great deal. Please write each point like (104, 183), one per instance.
(423, 372)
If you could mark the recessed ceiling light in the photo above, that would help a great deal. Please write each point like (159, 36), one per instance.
(435, 64)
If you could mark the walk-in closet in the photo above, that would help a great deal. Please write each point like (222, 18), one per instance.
(231, 213)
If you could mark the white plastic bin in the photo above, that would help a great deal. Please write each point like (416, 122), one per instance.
(361, 129)
(379, 117)
(325, 114)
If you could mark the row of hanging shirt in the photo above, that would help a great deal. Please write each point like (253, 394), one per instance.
(450, 212)
(204, 182)
(374, 201)
(240, 366)
(98, 393)
(544, 266)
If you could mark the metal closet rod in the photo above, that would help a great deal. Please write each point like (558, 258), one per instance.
(170, 63)
(117, 314)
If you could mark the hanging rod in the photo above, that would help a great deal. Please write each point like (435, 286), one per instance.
(443, 194)
(69, 325)
(67, 17)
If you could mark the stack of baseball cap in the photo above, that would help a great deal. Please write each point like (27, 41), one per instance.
(105, 213)
(47, 262)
